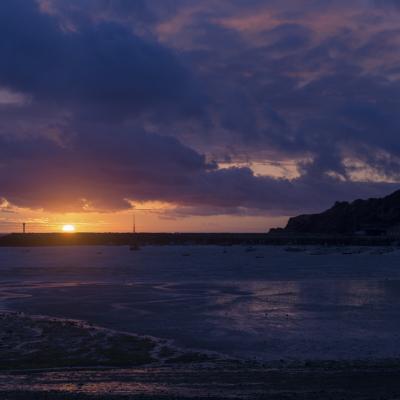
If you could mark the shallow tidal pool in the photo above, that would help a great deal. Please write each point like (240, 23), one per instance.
(262, 302)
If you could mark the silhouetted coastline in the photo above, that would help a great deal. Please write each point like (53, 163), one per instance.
(223, 239)
(370, 217)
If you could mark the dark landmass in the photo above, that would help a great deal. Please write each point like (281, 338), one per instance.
(127, 239)
(372, 217)
(277, 237)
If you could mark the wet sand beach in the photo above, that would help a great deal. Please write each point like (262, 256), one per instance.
(199, 322)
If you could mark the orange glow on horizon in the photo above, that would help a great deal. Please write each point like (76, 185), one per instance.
(150, 217)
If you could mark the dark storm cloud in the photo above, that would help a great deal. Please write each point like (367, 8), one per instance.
(102, 175)
(102, 172)
(95, 66)
(324, 84)
(114, 100)
(387, 3)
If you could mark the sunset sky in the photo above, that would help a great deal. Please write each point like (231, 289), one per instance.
(211, 115)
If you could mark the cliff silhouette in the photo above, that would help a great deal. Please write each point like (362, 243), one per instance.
(375, 216)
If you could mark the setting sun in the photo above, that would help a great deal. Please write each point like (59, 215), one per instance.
(68, 228)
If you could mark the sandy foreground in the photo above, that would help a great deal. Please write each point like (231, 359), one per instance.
(321, 326)
(47, 358)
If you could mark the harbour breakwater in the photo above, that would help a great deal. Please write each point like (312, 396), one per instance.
(221, 239)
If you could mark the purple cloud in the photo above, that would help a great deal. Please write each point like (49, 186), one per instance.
(103, 102)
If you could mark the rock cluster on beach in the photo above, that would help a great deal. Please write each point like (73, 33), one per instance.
(28, 342)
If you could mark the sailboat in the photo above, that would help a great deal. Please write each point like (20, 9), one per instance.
(134, 245)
